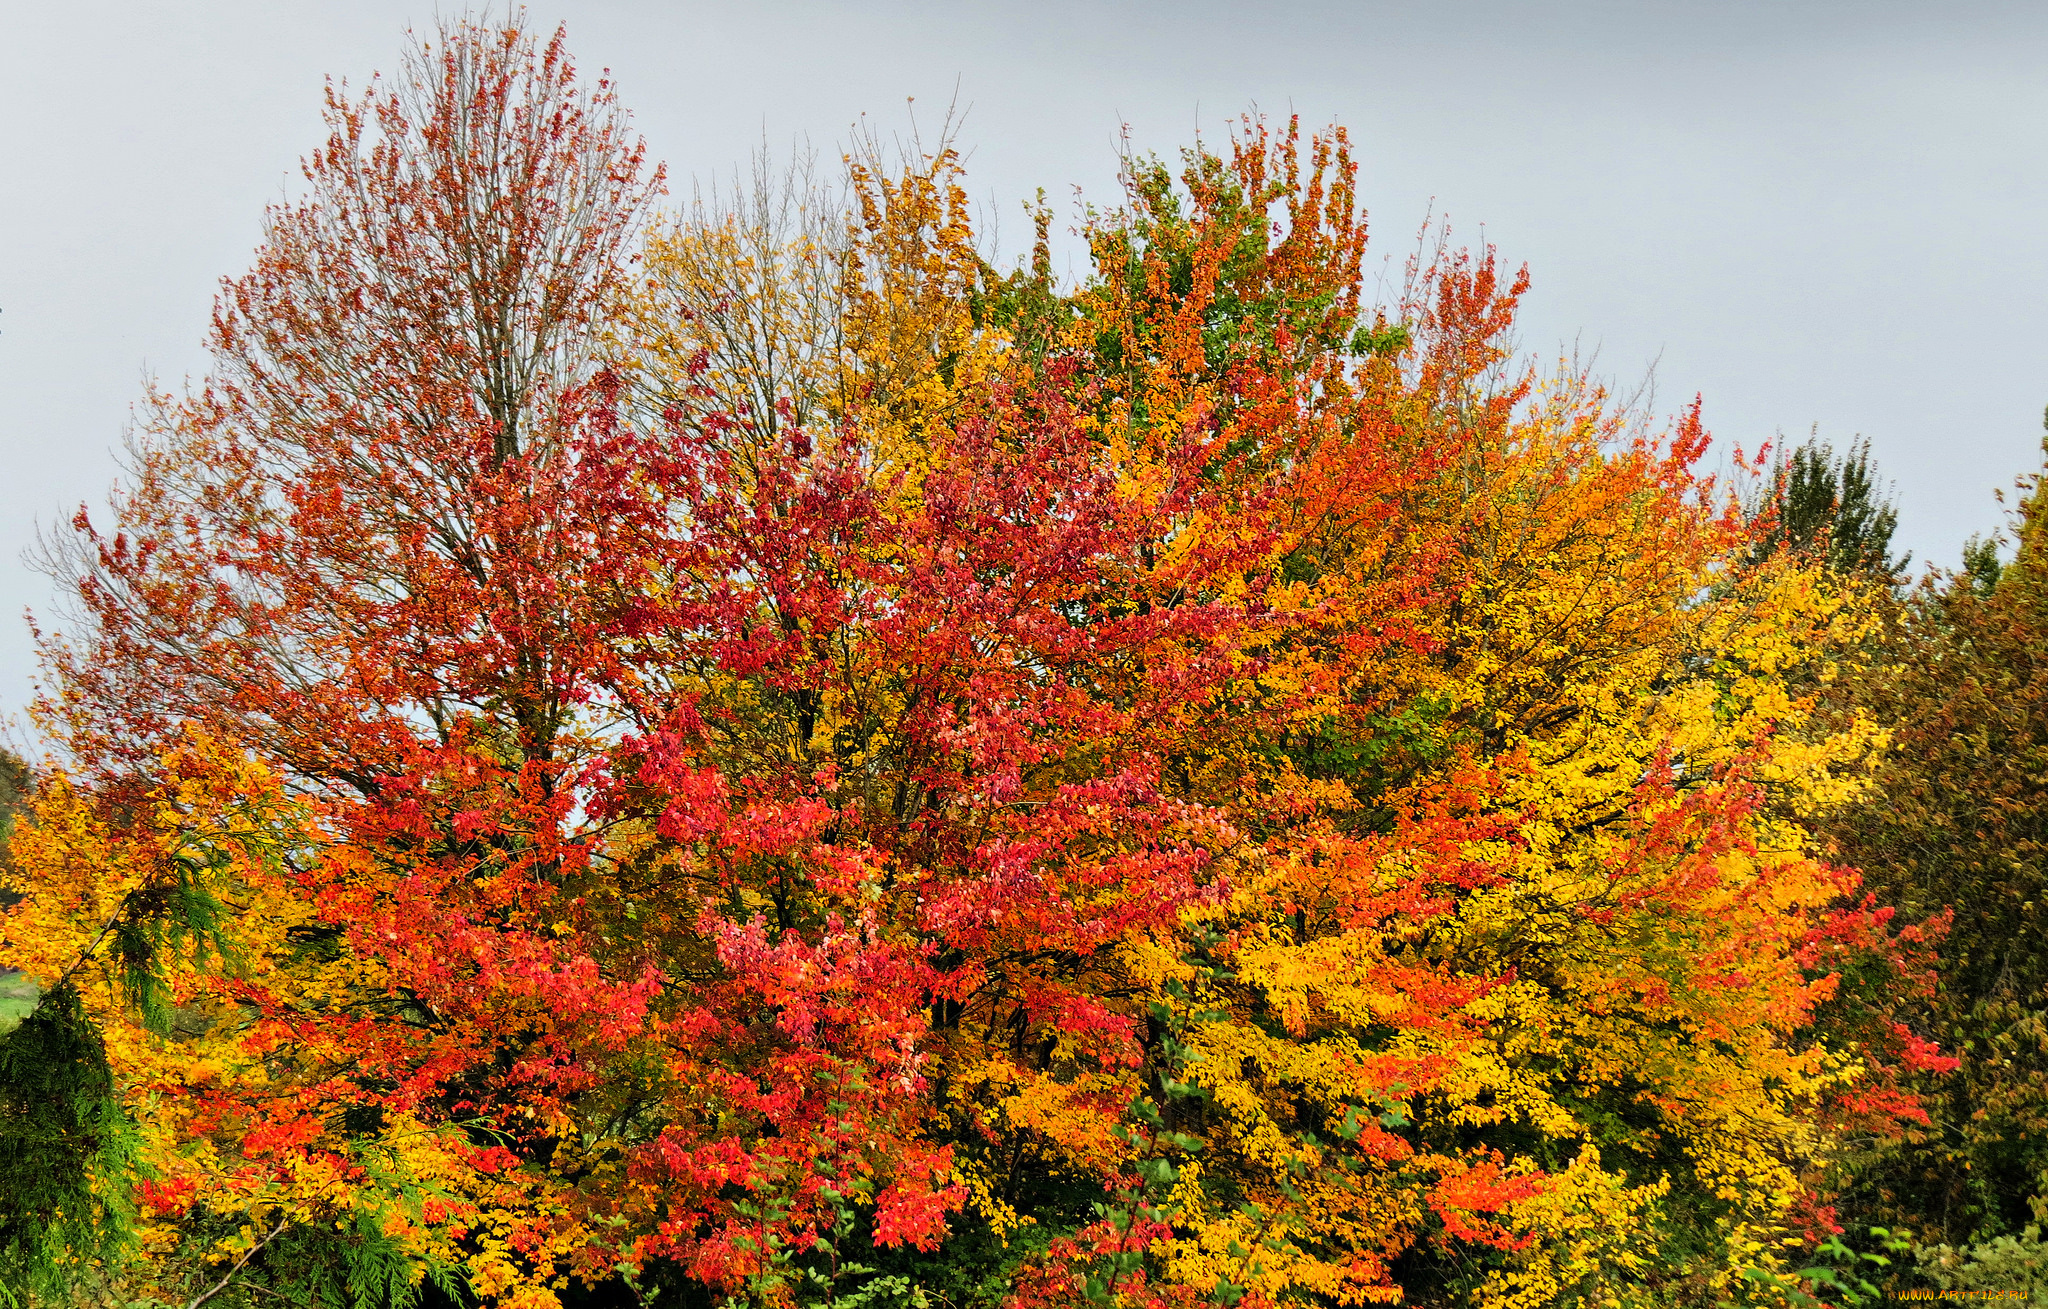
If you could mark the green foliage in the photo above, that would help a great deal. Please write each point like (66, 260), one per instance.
(840, 1282)
(2009, 1266)
(1829, 505)
(1981, 565)
(1384, 339)
(1845, 1274)
(181, 913)
(65, 1157)
(354, 1267)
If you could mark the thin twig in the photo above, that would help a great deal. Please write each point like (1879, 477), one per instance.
(247, 1255)
(86, 954)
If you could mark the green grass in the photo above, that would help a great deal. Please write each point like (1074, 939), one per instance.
(17, 999)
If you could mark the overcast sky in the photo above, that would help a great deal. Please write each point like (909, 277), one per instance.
(1805, 212)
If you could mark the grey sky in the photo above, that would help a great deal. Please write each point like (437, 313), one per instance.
(1806, 212)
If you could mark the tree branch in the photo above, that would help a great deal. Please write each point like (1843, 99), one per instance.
(247, 1255)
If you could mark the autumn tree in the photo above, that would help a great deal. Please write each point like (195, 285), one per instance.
(387, 444)
(1960, 835)
(370, 549)
(1490, 749)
